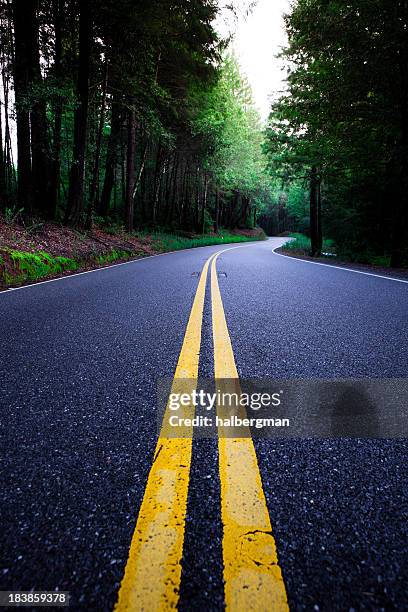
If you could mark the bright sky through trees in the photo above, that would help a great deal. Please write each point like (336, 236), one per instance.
(258, 38)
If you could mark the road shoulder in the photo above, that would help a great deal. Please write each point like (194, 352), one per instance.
(397, 273)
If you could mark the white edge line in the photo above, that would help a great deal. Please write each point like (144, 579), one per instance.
(124, 263)
(316, 263)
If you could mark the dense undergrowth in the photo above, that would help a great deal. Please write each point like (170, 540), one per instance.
(301, 245)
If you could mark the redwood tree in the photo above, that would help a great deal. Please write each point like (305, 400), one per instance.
(77, 175)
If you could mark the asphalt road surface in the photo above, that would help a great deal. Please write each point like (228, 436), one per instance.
(92, 503)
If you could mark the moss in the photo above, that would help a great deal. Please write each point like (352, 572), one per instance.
(20, 266)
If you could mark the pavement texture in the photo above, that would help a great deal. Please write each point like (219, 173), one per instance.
(81, 358)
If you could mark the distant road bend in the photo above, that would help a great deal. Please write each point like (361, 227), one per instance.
(96, 503)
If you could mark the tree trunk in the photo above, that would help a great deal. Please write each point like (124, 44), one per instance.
(130, 171)
(40, 146)
(217, 211)
(399, 214)
(24, 20)
(399, 230)
(111, 158)
(123, 161)
(314, 216)
(141, 170)
(185, 197)
(232, 210)
(56, 170)
(221, 214)
(8, 153)
(3, 194)
(94, 191)
(143, 182)
(172, 192)
(168, 184)
(77, 174)
(204, 206)
(245, 207)
(157, 180)
(319, 216)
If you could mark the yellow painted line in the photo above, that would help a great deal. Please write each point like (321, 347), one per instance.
(252, 576)
(152, 576)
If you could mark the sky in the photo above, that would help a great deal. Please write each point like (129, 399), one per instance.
(258, 38)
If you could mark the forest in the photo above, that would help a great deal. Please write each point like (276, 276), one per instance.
(340, 131)
(131, 112)
(136, 115)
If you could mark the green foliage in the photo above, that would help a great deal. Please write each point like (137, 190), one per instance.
(301, 243)
(208, 222)
(112, 228)
(112, 256)
(11, 214)
(345, 113)
(162, 95)
(228, 124)
(172, 242)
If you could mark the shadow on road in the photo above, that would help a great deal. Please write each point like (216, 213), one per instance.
(353, 414)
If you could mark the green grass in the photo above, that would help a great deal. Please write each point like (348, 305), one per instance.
(173, 242)
(302, 243)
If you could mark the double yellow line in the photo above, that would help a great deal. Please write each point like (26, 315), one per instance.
(252, 576)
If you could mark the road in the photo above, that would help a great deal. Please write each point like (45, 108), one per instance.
(92, 506)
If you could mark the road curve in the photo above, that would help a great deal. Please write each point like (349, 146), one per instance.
(81, 360)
